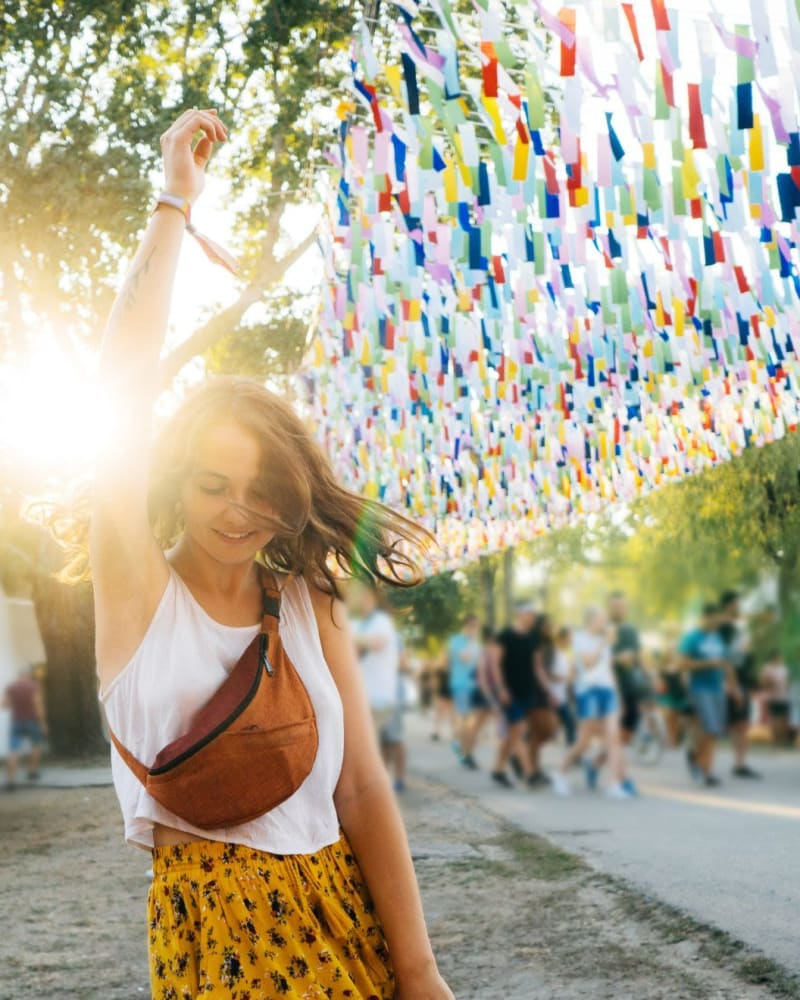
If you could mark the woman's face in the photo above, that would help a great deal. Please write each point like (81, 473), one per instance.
(222, 497)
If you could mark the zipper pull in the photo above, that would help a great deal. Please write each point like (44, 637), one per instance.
(263, 644)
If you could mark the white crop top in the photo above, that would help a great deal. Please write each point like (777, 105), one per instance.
(182, 660)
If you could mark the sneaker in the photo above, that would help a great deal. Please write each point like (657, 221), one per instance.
(399, 786)
(33, 775)
(501, 778)
(560, 785)
(630, 787)
(591, 774)
(435, 737)
(618, 791)
(469, 761)
(745, 772)
(516, 767)
(694, 771)
(455, 746)
(709, 781)
(537, 780)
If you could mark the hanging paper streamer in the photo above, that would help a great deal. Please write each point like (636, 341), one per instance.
(562, 259)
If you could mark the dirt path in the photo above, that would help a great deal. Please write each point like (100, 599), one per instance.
(512, 918)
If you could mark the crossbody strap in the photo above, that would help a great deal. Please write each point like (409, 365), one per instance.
(270, 615)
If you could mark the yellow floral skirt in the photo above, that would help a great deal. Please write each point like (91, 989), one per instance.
(233, 922)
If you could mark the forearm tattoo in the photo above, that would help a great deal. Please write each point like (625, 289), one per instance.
(130, 289)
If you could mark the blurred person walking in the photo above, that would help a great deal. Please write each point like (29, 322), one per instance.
(673, 696)
(517, 694)
(542, 722)
(485, 703)
(626, 658)
(737, 643)
(463, 656)
(560, 673)
(444, 716)
(774, 680)
(598, 705)
(553, 669)
(379, 648)
(23, 697)
(704, 657)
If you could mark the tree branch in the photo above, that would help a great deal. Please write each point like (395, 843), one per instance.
(226, 322)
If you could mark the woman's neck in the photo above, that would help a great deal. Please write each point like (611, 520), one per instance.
(209, 575)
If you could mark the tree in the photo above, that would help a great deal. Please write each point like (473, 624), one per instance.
(85, 91)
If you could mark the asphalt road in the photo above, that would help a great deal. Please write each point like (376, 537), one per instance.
(730, 858)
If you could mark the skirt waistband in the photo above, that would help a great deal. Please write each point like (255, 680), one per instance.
(213, 855)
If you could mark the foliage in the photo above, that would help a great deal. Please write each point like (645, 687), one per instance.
(434, 609)
(86, 90)
(727, 528)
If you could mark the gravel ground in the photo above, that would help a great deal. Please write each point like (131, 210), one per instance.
(511, 916)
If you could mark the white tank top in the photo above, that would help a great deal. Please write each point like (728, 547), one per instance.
(182, 660)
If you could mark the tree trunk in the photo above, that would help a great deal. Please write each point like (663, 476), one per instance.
(789, 606)
(508, 584)
(66, 621)
(487, 590)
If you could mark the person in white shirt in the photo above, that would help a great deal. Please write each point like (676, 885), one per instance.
(598, 703)
(319, 890)
(379, 650)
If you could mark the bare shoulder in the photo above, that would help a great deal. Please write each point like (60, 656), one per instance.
(329, 610)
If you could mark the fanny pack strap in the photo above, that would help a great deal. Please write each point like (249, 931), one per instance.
(270, 616)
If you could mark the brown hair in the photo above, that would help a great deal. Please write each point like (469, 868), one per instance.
(320, 527)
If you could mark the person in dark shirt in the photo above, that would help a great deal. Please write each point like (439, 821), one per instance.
(23, 696)
(517, 692)
(542, 718)
(735, 639)
(625, 653)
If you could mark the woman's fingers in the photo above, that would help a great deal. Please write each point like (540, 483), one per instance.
(202, 151)
(190, 122)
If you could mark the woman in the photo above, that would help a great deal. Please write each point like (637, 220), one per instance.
(560, 671)
(281, 905)
(774, 680)
(598, 704)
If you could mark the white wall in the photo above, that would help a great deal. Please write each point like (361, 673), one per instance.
(20, 645)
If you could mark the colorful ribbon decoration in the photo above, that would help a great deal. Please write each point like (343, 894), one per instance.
(559, 273)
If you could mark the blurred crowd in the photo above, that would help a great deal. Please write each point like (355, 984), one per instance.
(608, 695)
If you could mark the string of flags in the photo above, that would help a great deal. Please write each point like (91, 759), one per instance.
(561, 257)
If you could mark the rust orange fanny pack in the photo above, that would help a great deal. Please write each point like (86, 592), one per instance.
(248, 748)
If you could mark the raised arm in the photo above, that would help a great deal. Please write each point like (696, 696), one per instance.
(128, 567)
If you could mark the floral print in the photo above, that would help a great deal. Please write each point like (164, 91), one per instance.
(234, 923)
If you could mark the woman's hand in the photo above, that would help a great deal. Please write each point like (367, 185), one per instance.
(185, 164)
(432, 987)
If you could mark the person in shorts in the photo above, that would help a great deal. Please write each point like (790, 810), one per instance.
(463, 657)
(741, 657)
(775, 687)
(626, 654)
(378, 644)
(704, 657)
(598, 705)
(24, 697)
(517, 692)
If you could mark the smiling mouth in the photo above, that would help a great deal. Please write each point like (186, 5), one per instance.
(236, 536)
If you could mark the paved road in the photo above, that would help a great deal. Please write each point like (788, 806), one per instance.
(731, 859)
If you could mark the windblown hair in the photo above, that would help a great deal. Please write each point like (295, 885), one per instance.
(322, 530)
